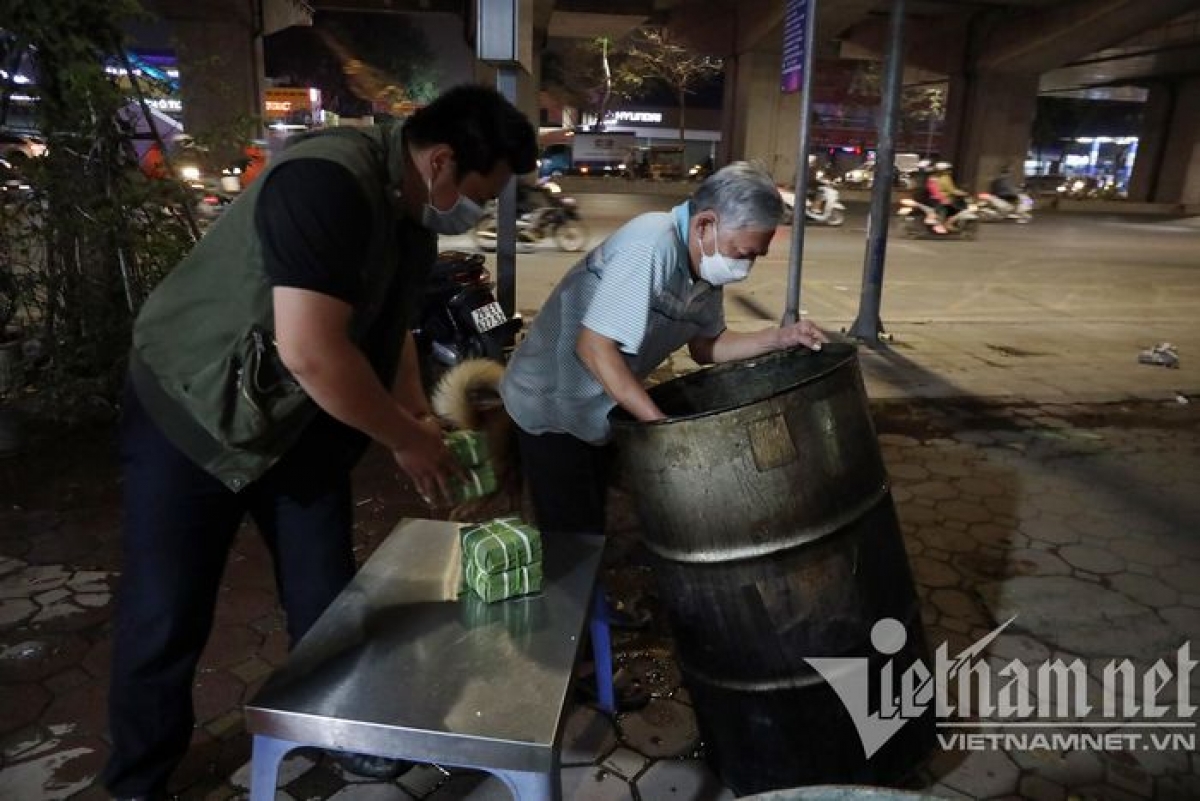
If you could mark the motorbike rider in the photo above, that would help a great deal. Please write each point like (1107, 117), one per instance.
(1004, 187)
(949, 198)
(926, 193)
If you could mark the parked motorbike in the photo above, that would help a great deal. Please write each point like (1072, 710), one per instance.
(993, 208)
(542, 214)
(459, 317)
(920, 221)
(825, 209)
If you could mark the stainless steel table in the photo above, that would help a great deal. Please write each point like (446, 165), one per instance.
(399, 666)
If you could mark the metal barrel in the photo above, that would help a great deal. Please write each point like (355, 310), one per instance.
(766, 504)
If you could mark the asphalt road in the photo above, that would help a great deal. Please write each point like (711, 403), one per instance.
(1064, 268)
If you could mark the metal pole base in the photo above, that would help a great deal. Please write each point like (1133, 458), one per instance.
(869, 331)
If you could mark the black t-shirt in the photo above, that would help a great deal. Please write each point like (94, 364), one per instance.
(314, 223)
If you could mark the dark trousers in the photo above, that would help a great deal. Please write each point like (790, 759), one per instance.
(568, 481)
(179, 526)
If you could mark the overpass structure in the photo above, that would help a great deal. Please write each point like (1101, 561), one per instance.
(997, 56)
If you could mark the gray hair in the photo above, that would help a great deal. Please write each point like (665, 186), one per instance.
(743, 195)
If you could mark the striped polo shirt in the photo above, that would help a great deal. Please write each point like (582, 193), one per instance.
(635, 288)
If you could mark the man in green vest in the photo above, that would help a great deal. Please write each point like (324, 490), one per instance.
(261, 368)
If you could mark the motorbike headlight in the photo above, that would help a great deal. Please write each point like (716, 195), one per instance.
(189, 173)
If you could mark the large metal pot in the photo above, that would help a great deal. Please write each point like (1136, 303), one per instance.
(765, 500)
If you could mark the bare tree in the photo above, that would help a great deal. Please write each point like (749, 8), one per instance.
(587, 75)
(652, 54)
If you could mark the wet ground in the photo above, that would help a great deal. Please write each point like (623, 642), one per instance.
(1083, 520)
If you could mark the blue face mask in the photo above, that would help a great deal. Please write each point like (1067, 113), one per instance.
(458, 219)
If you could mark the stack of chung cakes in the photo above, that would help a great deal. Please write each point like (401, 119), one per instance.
(470, 450)
(502, 558)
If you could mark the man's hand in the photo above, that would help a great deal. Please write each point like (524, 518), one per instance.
(803, 333)
(429, 463)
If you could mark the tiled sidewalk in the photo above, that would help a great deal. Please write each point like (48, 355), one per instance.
(1081, 519)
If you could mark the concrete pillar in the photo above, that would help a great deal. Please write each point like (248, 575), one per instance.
(760, 122)
(1173, 176)
(989, 118)
(219, 47)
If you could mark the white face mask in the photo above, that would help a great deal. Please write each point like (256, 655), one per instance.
(458, 219)
(718, 269)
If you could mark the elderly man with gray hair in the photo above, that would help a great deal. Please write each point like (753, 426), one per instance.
(650, 288)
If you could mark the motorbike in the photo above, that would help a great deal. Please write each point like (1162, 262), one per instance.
(825, 209)
(993, 208)
(459, 317)
(543, 213)
(919, 220)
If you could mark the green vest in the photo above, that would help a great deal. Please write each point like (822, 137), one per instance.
(204, 362)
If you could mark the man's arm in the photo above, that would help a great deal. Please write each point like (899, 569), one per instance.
(730, 346)
(312, 332)
(407, 389)
(603, 359)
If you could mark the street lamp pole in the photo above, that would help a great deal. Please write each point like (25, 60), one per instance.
(868, 325)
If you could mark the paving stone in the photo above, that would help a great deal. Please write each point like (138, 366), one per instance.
(588, 736)
(1128, 777)
(956, 603)
(1078, 617)
(589, 784)
(51, 597)
(932, 573)
(943, 538)
(664, 728)
(1048, 531)
(980, 566)
(16, 610)
(906, 472)
(950, 469)
(32, 581)
(56, 612)
(293, 766)
(1183, 576)
(370, 792)
(1141, 551)
(1071, 769)
(252, 670)
(965, 511)
(1021, 647)
(934, 490)
(625, 762)
(983, 774)
(9, 565)
(1161, 762)
(1093, 560)
(1035, 788)
(686, 780)
(42, 778)
(897, 441)
(1102, 792)
(1144, 589)
(1034, 562)
(989, 533)
(93, 600)
(1177, 788)
(1183, 620)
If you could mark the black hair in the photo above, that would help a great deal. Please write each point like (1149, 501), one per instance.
(480, 125)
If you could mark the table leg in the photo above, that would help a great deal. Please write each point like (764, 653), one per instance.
(265, 757)
(602, 652)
